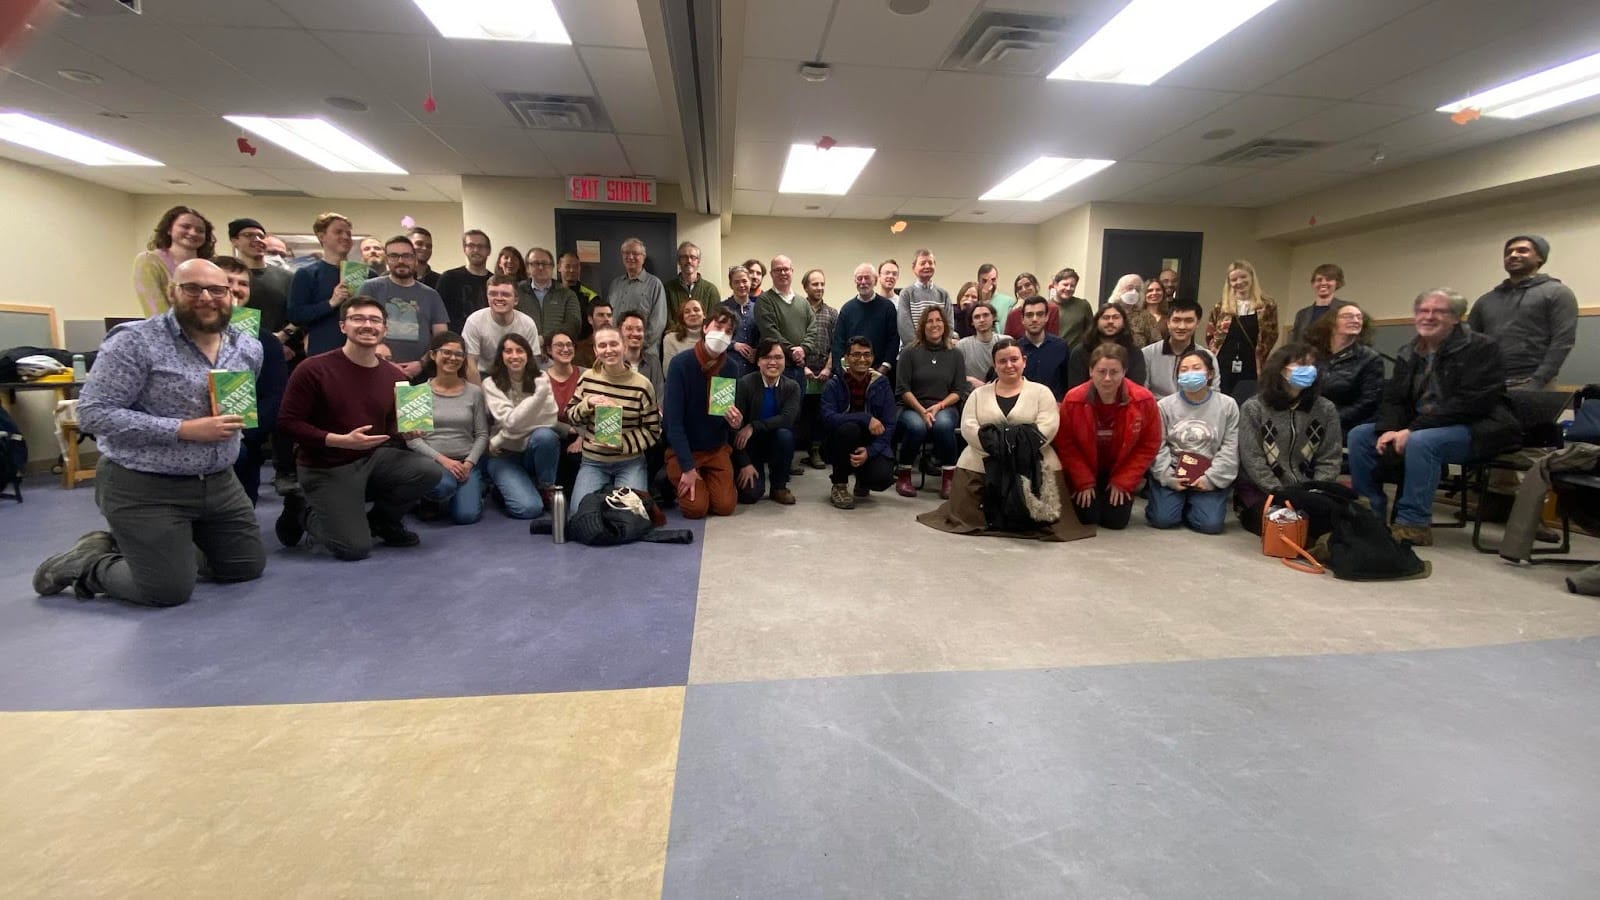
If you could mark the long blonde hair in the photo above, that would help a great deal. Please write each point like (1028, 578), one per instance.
(1258, 300)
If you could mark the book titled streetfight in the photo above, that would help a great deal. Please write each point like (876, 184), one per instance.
(234, 394)
(413, 404)
(247, 320)
(721, 397)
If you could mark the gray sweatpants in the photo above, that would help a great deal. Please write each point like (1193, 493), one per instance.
(160, 522)
(393, 480)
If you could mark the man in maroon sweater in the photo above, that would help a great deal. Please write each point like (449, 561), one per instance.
(339, 409)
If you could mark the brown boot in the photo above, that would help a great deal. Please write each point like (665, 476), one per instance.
(902, 483)
(782, 496)
(1415, 535)
(946, 476)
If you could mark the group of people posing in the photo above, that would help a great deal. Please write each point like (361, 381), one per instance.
(1041, 415)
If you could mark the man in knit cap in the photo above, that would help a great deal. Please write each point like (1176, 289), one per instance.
(1533, 316)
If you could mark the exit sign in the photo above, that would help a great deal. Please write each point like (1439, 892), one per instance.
(600, 189)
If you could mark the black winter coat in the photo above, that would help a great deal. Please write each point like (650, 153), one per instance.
(1471, 387)
(1014, 453)
(1353, 380)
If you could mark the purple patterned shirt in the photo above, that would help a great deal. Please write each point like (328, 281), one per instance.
(147, 379)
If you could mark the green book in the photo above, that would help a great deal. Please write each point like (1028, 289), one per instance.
(247, 320)
(721, 395)
(234, 394)
(353, 273)
(813, 385)
(413, 404)
(608, 426)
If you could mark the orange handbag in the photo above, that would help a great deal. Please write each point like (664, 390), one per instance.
(1286, 540)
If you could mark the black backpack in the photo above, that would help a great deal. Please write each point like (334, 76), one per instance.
(1360, 547)
(13, 456)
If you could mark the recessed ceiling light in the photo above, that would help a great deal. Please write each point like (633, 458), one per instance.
(813, 171)
(1577, 80)
(1167, 33)
(319, 142)
(38, 134)
(908, 7)
(531, 21)
(348, 104)
(80, 76)
(1045, 177)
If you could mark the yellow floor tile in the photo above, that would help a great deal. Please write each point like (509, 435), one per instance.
(554, 795)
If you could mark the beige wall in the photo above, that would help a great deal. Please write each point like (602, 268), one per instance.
(294, 215)
(1387, 266)
(837, 246)
(521, 212)
(1229, 235)
(1063, 242)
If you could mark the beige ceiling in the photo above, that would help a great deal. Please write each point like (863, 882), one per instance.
(184, 63)
(1364, 75)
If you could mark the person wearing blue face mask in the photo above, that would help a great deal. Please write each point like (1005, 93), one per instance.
(1288, 432)
(1199, 457)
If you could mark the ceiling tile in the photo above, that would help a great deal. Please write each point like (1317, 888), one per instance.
(603, 23)
(627, 86)
(241, 178)
(1344, 122)
(852, 206)
(120, 89)
(498, 151)
(581, 153)
(1260, 188)
(1181, 184)
(805, 206)
(651, 155)
(871, 34)
(1249, 118)
(753, 203)
(758, 166)
(1124, 117)
(369, 16)
(784, 29)
(928, 206)
(917, 173)
(542, 68)
(857, 105)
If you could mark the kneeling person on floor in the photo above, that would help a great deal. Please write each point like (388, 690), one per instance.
(165, 483)
(699, 453)
(858, 417)
(340, 410)
(763, 448)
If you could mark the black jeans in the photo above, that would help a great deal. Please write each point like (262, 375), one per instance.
(336, 499)
(876, 474)
(1101, 511)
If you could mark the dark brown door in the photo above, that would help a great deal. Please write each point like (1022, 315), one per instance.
(1146, 253)
(609, 229)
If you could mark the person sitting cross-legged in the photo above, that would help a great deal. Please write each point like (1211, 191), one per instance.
(763, 447)
(858, 417)
(1110, 434)
(699, 456)
(612, 460)
(524, 445)
(340, 410)
(1288, 432)
(1196, 465)
(460, 432)
(1445, 403)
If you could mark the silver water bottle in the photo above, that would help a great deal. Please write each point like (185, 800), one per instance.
(558, 512)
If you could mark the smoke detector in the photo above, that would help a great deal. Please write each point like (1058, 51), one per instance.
(815, 72)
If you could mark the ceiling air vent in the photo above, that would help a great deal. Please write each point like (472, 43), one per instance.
(556, 112)
(1009, 43)
(273, 192)
(1265, 150)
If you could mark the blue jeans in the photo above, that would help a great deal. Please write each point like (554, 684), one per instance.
(466, 497)
(517, 477)
(771, 453)
(598, 476)
(1427, 453)
(1202, 511)
(913, 431)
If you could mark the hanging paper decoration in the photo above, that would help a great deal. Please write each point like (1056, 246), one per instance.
(826, 143)
(245, 146)
(407, 222)
(898, 226)
(428, 105)
(1470, 114)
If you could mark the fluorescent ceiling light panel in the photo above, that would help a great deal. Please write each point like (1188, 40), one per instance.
(37, 134)
(1577, 80)
(1150, 38)
(1045, 177)
(530, 21)
(319, 142)
(814, 171)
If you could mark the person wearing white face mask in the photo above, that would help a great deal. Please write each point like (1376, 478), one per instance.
(699, 444)
(1199, 458)
(1288, 432)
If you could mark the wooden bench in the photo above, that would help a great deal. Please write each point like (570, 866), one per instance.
(72, 470)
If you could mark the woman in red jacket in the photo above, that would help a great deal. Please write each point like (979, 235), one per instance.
(1110, 432)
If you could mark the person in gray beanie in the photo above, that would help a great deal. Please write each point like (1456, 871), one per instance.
(1533, 316)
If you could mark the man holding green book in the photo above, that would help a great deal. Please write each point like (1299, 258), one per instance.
(699, 417)
(165, 481)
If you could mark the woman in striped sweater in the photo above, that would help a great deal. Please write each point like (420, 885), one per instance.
(616, 460)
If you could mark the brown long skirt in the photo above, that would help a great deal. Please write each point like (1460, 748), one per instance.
(963, 512)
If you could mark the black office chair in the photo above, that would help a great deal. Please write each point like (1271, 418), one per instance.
(1538, 413)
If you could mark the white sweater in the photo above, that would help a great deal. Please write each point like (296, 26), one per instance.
(1036, 406)
(515, 415)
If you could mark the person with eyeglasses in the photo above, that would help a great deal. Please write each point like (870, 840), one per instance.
(638, 291)
(269, 285)
(340, 410)
(781, 315)
(858, 415)
(270, 383)
(165, 482)
(550, 304)
(465, 289)
(416, 313)
(763, 447)
(460, 434)
(486, 328)
(688, 285)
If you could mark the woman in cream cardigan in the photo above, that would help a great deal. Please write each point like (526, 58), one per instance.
(1011, 400)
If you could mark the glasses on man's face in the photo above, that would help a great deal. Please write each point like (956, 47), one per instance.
(864, 354)
(364, 320)
(777, 269)
(193, 291)
(401, 256)
(541, 264)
